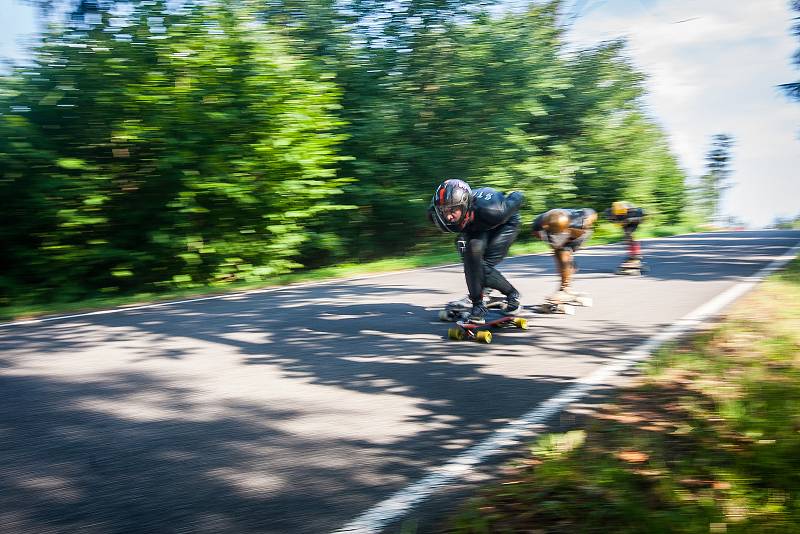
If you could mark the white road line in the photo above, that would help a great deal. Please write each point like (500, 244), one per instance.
(399, 504)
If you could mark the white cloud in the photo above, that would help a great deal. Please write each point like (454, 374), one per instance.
(713, 67)
(17, 25)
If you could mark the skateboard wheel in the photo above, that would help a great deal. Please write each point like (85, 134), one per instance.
(444, 315)
(484, 336)
(521, 322)
(455, 333)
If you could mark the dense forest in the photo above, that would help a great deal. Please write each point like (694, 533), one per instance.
(153, 145)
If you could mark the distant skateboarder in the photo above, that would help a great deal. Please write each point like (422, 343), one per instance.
(487, 222)
(565, 230)
(629, 217)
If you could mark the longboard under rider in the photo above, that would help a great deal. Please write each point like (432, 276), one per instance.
(481, 332)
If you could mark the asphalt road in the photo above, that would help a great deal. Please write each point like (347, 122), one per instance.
(295, 410)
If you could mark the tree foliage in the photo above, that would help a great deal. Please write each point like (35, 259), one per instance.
(715, 181)
(153, 146)
(188, 147)
(793, 89)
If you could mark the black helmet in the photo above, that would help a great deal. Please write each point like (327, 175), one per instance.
(452, 197)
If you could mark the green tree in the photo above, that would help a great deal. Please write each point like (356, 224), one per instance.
(793, 89)
(188, 147)
(209, 142)
(715, 181)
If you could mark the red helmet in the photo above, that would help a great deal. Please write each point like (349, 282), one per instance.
(452, 202)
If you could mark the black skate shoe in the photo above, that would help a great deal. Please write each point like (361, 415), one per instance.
(512, 302)
(478, 314)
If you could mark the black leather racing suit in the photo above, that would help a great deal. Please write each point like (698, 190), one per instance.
(485, 241)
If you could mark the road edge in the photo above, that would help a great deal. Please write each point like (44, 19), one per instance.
(403, 501)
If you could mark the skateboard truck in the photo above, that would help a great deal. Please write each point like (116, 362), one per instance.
(465, 330)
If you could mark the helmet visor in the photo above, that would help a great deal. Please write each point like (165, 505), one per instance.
(451, 214)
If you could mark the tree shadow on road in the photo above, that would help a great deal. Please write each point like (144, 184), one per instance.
(135, 444)
(181, 418)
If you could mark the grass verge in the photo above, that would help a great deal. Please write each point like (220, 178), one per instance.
(706, 440)
(439, 252)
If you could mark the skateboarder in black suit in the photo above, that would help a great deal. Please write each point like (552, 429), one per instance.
(487, 222)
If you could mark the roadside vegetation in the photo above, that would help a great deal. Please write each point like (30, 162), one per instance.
(166, 149)
(437, 252)
(706, 440)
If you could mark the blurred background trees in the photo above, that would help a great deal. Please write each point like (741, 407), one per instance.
(154, 145)
(793, 88)
(786, 223)
(715, 181)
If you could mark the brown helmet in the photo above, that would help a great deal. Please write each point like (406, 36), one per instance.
(555, 221)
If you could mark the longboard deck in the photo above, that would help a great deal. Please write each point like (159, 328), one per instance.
(550, 308)
(567, 308)
(633, 271)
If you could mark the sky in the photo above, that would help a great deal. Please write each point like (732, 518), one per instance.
(712, 66)
(17, 22)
